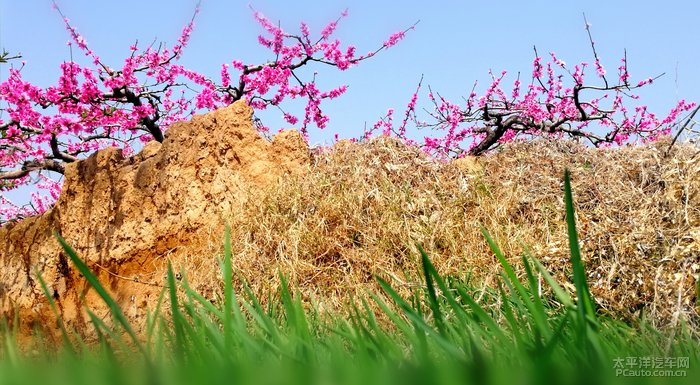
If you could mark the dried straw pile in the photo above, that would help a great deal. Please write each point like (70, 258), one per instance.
(362, 207)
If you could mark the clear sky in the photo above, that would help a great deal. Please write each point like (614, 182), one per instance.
(455, 43)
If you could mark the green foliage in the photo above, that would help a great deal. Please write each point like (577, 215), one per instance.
(445, 332)
(6, 57)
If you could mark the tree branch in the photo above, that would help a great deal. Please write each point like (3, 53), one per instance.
(33, 165)
(150, 124)
(57, 153)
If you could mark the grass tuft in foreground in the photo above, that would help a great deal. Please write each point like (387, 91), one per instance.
(528, 330)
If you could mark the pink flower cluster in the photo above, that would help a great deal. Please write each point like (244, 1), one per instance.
(38, 204)
(279, 79)
(387, 122)
(548, 106)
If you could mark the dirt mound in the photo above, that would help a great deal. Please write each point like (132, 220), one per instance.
(332, 220)
(127, 217)
(364, 206)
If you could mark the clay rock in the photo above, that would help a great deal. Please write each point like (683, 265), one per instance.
(127, 213)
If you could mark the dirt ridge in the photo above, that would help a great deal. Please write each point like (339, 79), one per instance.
(126, 217)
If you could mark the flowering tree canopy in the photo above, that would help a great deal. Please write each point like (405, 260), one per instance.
(557, 102)
(96, 106)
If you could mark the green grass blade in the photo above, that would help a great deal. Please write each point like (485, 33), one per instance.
(493, 329)
(561, 294)
(95, 283)
(67, 343)
(582, 293)
(587, 319)
(538, 312)
(526, 296)
(429, 272)
(401, 323)
(228, 288)
(510, 317)
(152, 320)
(177, 317)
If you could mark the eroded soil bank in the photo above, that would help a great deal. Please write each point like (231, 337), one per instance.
(332, 220)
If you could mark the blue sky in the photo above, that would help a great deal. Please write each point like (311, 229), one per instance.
(455, 43)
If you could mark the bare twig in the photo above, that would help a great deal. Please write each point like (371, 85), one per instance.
(683, 127)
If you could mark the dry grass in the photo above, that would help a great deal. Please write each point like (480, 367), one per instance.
(362, 207)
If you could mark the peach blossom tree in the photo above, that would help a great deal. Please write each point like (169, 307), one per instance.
(558, 101)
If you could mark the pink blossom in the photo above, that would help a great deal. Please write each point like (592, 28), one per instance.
(599, 68)
(394, 38)
(645, 82)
